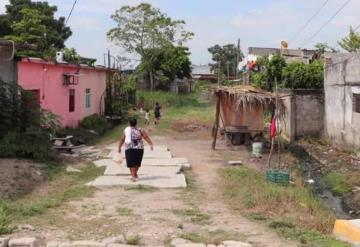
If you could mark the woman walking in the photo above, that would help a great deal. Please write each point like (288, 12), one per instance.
(134, 147)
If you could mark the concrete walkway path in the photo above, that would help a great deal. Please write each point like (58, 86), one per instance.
(159, 169)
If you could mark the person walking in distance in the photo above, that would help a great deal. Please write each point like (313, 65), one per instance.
(157, 112)
(147, 117)
(134, 147)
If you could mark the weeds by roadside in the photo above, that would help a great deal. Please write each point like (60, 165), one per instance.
(292, 207)
(211, 237)
(62, 188)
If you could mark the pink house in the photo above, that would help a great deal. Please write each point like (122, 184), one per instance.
(70, 91)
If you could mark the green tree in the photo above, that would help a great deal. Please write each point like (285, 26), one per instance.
(144, 27)
(29, 29)
(227, 56)
(321, 48)
(351, 43)
(270, 70)
(55, 33)
(169, 63)
(299, 75)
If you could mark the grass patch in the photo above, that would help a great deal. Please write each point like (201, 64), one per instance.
(211, 237)
(249, 191)
(132, 240)
(292, 207)
(125, 211)
(307, 238)
(62, 188)
(195, 215)
(142, 188)
(338, 183)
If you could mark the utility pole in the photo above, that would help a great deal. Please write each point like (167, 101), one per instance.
(109, 84)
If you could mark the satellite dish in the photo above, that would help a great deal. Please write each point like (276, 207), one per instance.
(284, 45)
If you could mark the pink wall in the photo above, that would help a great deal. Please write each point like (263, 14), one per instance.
(54, 96)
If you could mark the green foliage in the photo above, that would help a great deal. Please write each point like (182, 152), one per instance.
(227, 56)
(25, 130)
(351, 43)
(95, 122)
(34, 22)
(321, 48)
(337, 183)
(29, 29)
(249, 191)
(147, 100)
(270, 71)
(144, 27)
(167, 63)
(299, 75)
(295, 75)
(307, 238)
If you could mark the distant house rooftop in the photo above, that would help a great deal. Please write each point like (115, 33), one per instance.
(202, 70)
(290, 55)
(64, 64)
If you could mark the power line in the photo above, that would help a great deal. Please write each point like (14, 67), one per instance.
(326, 23)
(356, 28)
(72, 9)
(308, 22)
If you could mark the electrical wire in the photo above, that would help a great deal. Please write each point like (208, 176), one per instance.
(72, 9)
(309, 21)
(326, 23)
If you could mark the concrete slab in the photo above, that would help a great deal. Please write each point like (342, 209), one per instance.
(104, 162)
(181, 160)
(164, 162)
(348, 230)
(160, 181)
(122, 170)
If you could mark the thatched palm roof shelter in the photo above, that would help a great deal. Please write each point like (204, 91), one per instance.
(240, 109)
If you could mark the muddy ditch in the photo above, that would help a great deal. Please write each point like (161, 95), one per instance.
(314, 176)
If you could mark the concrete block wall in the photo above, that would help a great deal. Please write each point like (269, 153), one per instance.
(342, 80)
(304, 113)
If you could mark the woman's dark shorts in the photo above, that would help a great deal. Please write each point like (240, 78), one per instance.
(134, 157)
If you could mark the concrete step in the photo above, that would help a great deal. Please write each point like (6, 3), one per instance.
(122, 170)
(348, 230)
(168, 181)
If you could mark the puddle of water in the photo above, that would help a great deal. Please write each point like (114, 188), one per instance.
(310, 168)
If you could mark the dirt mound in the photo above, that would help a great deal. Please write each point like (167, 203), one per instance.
(18, 177)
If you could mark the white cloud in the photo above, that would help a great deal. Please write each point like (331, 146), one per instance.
(2, 5)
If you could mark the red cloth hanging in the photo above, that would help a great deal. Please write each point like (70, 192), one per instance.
(273, 128)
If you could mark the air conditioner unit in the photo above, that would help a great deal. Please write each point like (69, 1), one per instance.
(60, 57)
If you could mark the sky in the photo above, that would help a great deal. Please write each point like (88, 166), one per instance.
(261, 23)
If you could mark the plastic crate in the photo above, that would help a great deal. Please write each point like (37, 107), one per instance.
(278, 176)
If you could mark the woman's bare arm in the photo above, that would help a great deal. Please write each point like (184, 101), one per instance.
(121, 143)
(147, 139)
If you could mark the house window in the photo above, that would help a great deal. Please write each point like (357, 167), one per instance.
(71, 100)
(356, 102)
(88, 98)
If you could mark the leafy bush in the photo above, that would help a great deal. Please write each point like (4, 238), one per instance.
(95, 122)
(295, 75)
(300, 75)
(32, 144)
(25, 129)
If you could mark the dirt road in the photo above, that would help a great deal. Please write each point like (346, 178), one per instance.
(153, 217)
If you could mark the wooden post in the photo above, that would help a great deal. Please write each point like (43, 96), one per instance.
(217, 119)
